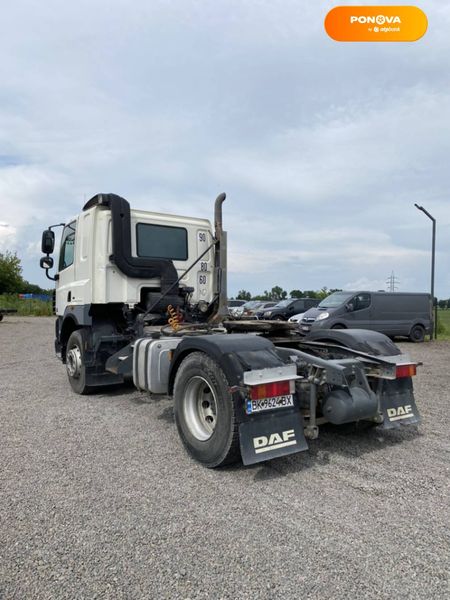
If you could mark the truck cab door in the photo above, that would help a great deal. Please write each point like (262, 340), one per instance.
(66, 268)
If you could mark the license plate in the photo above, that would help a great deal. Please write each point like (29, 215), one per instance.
(305, 328)
(254, 406)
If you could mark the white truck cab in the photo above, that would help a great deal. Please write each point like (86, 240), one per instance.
(88, 273)
(121, 269)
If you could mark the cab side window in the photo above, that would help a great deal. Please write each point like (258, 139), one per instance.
(67, 252)
(361, 301)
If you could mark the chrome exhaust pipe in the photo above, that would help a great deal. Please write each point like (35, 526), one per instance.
(220, 262)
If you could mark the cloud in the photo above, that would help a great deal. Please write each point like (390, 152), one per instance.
(7, 237)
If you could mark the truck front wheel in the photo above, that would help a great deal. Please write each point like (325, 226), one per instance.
(76, 369)
(204, 411)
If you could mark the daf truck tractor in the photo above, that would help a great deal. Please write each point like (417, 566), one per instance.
(142, 296)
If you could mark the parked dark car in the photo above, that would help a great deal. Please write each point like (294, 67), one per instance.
(286, 308)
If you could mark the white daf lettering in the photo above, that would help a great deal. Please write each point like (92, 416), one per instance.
(275, 440)
(402, 412)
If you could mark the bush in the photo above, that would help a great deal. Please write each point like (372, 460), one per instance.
(26, 307)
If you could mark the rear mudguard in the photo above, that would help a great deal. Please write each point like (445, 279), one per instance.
(397, 404)
(362, 340)
(264, 435)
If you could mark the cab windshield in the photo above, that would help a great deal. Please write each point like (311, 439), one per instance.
(335, 299)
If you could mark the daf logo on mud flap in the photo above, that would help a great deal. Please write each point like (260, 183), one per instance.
(402, 412)
(265, 443)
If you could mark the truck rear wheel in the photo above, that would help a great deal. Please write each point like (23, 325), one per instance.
(76, 369)
(204, 411)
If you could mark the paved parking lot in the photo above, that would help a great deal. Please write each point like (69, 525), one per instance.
(98, 499)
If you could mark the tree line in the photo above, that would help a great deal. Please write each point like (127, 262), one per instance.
(11, 280)
(277, 293)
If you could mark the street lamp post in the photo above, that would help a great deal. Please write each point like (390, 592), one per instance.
(433, 246)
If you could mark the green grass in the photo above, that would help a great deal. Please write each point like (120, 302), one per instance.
(26, 307)
(443, 324)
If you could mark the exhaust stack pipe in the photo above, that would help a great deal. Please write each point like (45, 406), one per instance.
(218, 221)
(220, 262)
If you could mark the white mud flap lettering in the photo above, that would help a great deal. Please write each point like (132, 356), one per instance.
(270, 437)
(402, 412)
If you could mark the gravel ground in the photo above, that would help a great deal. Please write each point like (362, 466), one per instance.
(98, 499)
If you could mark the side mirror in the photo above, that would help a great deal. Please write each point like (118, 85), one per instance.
(48, 242)
(46, 262)
(349, 307)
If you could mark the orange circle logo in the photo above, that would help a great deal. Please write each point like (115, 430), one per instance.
(376, 23)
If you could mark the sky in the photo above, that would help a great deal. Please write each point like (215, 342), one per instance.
(322, 147)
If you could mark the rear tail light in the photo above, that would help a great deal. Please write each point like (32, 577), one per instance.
(405, 371)
(271, 390)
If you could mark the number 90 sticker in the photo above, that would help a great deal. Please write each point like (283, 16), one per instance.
(254, 406)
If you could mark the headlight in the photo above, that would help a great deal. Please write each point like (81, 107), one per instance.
(267, 314)
(323, 316)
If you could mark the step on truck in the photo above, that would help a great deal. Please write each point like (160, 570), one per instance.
(142, 296)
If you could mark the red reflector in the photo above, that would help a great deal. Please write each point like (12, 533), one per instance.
(270, 390)
(405, 371)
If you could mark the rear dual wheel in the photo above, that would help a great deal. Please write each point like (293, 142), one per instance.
(204, 411)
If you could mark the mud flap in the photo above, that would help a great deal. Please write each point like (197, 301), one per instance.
(397, 404)
(271, 436)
